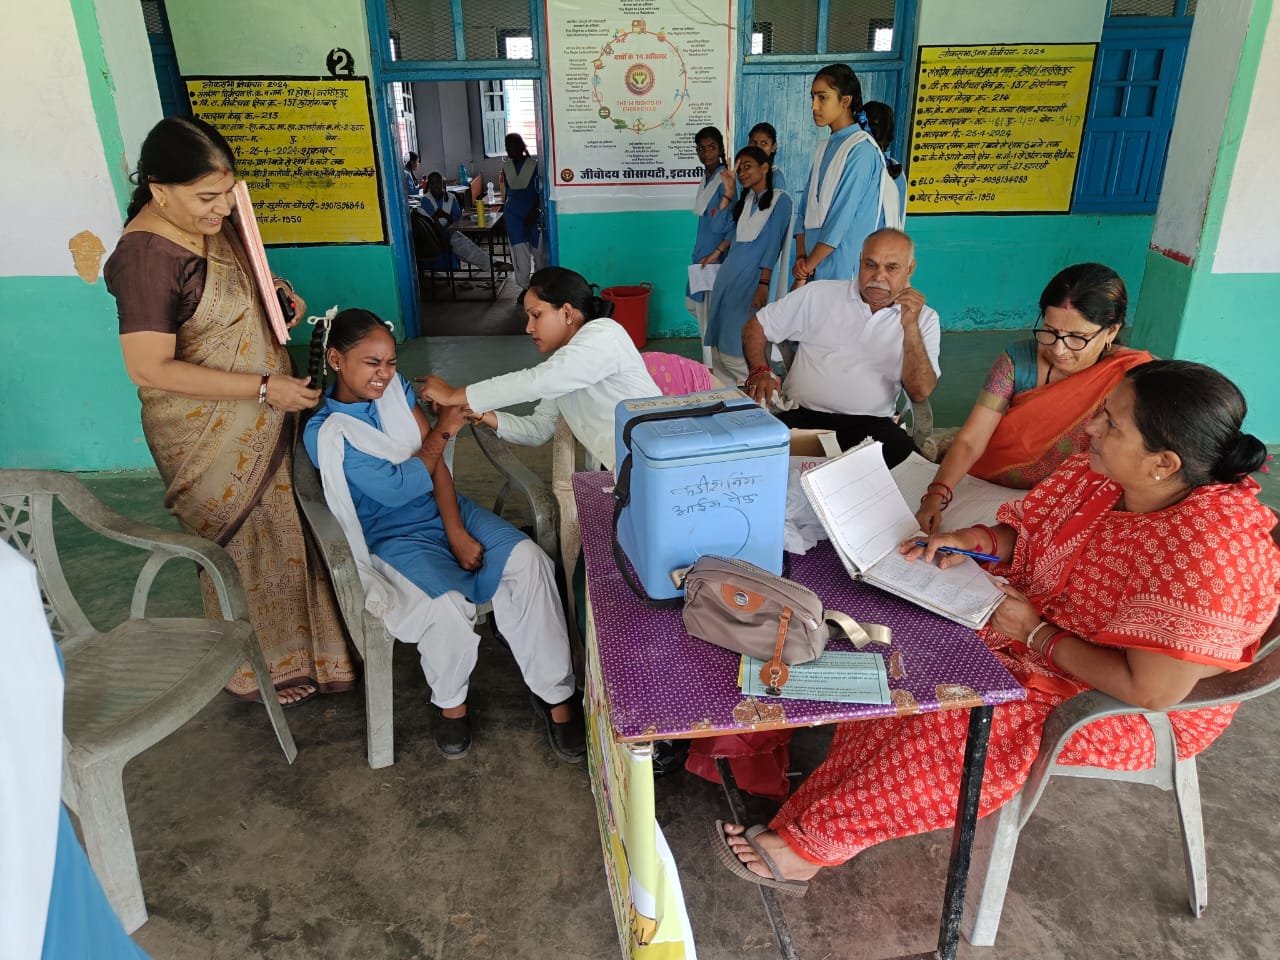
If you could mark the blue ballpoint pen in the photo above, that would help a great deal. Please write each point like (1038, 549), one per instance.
(986, 557)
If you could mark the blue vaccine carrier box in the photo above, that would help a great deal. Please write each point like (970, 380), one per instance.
(701, 485)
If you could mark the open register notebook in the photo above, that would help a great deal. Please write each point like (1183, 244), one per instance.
(867, 519)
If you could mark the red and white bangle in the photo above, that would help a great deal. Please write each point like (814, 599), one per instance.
(262, 388)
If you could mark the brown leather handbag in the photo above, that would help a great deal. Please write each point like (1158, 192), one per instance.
(746, 609)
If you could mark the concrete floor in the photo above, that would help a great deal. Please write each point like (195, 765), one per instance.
(497, 856)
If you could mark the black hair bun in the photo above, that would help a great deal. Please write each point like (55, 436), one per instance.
(601, 307)
(1242, 456)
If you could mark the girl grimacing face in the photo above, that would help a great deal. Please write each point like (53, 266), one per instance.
(550, 327)
(199, 206)
(366, 370)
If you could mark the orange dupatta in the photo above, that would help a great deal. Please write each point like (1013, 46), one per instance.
(1038, 431)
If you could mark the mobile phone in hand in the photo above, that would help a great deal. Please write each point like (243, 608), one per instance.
(286, 304)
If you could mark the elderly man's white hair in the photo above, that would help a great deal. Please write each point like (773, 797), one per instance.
(892, 232)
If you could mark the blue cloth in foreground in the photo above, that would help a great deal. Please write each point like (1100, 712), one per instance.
(81, 924)
(397, 509)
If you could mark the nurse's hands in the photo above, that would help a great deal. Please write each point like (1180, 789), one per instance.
(291, 394)
(439, 391)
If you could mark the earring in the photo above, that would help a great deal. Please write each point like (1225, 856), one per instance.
(1158, 478)
(160, 200)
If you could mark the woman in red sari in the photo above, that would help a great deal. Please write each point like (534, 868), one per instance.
(1137, 570)
(1040, 393)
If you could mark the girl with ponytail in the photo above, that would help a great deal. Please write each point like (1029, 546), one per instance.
(219, 402)
(756, 231)
(387, 481)
(593, 365)
(848, 195)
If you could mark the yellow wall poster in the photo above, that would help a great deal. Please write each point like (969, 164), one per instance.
(997, 128)
(305, 147)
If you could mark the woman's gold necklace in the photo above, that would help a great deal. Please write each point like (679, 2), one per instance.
(182, 236)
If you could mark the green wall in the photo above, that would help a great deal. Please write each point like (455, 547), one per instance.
(615, 249)
(67, 401)
(986, 273)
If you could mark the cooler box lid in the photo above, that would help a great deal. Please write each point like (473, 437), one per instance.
(733, 431)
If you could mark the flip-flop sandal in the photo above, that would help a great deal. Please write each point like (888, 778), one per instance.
(290, 704)
(720, 842)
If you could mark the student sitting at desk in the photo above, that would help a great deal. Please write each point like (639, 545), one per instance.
(1167, 473)
(443, 207)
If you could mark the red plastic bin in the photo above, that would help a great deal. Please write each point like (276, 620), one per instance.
(631, 310)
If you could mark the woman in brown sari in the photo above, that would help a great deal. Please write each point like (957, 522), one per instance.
(218, 402)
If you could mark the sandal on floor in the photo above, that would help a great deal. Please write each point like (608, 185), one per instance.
(720, 842)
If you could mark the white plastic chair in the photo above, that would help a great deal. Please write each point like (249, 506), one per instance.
(996, 839)
(364, 614)
(131, 686)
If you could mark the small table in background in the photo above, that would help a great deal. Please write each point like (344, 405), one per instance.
(489, 236)
(647, 680)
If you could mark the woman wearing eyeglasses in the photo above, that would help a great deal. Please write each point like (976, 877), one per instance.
(1031, 413)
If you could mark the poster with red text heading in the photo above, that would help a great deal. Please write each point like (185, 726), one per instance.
(631, 82)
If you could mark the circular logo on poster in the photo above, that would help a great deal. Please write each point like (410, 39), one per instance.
(639, 79)
(566, 175)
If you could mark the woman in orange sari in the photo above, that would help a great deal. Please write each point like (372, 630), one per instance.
(219, 402)
(1031, 413)
(1137, 569)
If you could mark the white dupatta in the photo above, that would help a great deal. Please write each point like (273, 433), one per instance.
(388, 593)
(706, 191)
(519, 179)
(822, 190)
(753, 219)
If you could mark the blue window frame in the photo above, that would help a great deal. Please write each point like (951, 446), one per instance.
(1135, 92)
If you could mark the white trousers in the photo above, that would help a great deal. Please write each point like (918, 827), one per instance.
(527, 260)
(468, 250)
(699, 311)
(526, 608)
(727, 368)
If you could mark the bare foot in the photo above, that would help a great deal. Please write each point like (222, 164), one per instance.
(791, 865)
(298, 693)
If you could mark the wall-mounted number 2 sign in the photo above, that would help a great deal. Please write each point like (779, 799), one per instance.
(340, 63)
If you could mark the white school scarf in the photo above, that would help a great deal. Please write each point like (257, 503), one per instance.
(821, 194)
(753, 219)
(823, 189)
(705, 191)
(389, 595)
(449, 205)
(518, 180)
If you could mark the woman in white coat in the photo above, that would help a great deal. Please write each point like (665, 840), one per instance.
(593, 365)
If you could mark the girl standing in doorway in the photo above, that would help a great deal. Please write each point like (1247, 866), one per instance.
(523, 215)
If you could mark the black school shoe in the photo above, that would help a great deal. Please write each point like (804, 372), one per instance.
(453, 735)
(568, 739)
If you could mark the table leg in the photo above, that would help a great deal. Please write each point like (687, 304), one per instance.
(975, 760)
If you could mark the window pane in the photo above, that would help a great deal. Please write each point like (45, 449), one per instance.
(485, 22)
(522, 111)
(793, 26)
(1143, 8)
(853, 25)
(424, 28)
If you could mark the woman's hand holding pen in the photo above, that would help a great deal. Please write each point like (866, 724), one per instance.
(932, 549)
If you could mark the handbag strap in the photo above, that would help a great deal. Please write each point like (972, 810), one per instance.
(773, 674)
(622, 491)
(860, 634)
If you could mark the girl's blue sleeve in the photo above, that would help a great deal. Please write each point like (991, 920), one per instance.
(391, 484)
(861, 176)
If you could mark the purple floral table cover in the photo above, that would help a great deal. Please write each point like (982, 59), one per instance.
(661, 683)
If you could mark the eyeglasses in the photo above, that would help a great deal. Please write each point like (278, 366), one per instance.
(1073, 341)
